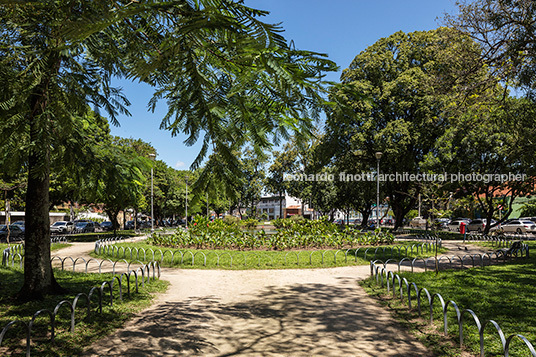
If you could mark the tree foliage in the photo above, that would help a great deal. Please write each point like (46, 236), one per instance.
(393, 99)
(485, 141)
(505, 30)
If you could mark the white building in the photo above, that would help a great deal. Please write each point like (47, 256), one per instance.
(290, 206)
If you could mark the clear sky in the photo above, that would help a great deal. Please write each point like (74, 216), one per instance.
(339, 28)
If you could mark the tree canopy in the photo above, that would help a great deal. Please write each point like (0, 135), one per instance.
(505, 31)
(393, 98)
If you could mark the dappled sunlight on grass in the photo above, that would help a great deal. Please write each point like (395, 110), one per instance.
(86, 330)
(505, 293)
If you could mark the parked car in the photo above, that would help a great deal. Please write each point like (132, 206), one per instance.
(417, 222)
(129, 225)
(388, 221)
(519, 226)
(442, 223)
(139, 224)
(454, 225)
(106, 226)
(62, 227)
(84, 227)
(15, 232)
(477, 225)
(18, 223)
(493, 225)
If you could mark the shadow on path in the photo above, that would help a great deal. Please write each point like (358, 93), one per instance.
(291, 320)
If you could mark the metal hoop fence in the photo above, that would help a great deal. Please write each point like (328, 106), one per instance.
(185, 257)
(387, 278)
(126, 282)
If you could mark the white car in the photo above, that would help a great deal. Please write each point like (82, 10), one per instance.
(519, 226)
(454, 225)
(417, 222)
(62, 227)
(479, 225)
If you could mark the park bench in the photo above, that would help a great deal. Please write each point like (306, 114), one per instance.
(516, 247)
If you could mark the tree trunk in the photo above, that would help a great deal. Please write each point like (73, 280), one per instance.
(400, 209)
(113, 214)
(365, 213)
(38, 275)
(280, 205)
(400, 213)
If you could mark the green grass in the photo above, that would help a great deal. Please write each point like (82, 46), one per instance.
(261, 259)
(86, 331)
(504, 293)
(53, 246)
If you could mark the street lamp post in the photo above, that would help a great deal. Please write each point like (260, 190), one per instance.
(186, 201)
(152, 156)
(379, 155)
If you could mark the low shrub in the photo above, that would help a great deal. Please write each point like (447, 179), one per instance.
(204, 234)
(229, 219)
(250, 223)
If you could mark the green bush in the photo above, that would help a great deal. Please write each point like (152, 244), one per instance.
(281, 223)
(250, 223)
(297, 218)
(302, 234)
(229, 219)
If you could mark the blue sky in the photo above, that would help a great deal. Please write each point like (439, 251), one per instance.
(339, 28)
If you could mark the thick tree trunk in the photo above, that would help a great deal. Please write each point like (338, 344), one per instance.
(113, 214)
(38, 275)
(401, 206)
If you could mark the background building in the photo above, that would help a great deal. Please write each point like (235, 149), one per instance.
(282, 207)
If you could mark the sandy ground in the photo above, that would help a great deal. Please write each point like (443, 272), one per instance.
(308, 312)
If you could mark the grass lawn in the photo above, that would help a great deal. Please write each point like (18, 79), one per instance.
(262, 259)
(53, 246)
(505, 293)
(86, 331)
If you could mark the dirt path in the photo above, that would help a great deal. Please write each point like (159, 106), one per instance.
(308, 312)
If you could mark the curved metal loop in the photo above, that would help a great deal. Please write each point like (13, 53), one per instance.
(419, 294)
(12, 323)
(432, 304)
(478, 325)
(522, 338)
(499, 331)
(52, 318)
(416, 259)
(70, 305)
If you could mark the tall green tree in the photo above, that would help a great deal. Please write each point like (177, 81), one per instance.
(284, 163)
(251, 181)
(393, 98)
(222, 72)
(117, 181)
(485, 141)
